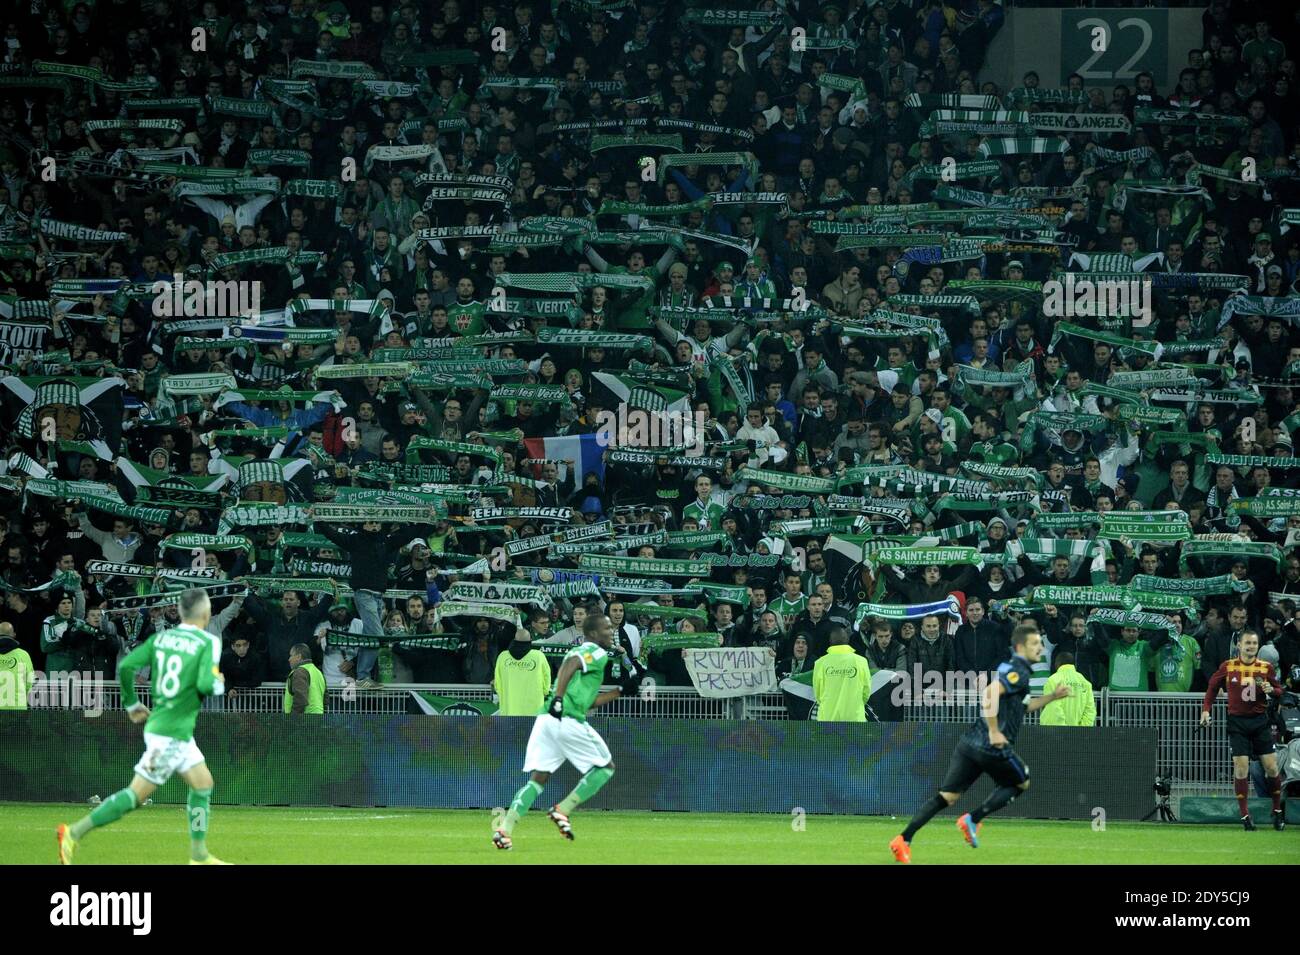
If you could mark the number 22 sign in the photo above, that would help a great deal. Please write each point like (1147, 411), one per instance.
(1106, 46)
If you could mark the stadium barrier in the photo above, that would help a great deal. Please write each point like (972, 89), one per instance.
(1195, 759)
(709, 765)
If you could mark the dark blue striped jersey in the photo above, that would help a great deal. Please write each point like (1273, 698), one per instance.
(1014, 675)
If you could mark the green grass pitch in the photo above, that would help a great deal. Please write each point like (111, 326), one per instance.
(263, 836)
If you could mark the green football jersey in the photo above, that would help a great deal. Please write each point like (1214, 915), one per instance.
(784, 607)
(994, 452)
(184, 664)
(584, 685)
(709, 514)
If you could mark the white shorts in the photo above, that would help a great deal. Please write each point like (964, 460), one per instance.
(553, 741)
(164, 756)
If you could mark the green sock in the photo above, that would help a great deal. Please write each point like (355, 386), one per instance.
(110, 810)
(197, 803)
(522, 802)
(587, 787)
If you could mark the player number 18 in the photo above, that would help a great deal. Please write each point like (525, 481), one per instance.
(169, 665)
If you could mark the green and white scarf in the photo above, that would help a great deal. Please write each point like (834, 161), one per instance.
(745, 160)
(1252, 461)
(965, 101)
(1191, 586)
(799, 483)
(387, 369)
(173, 386)
(763, 19)
(1148, 116)
(983, 200)
(1246, 550)
(280, 255)
(1270, 502)
(1022, 146)
(1022, 378)
(418, 444)
(558, 514)
(925, 556)
(502, 592)
(314, 188)
(644, 566)
(1080, 122)
(581, 338)
(174, 126)
(1139, 154)
(536, 393)
(1132, 618)
(243, 186)
(244, 108)
(1107, 595)
(935, 302)
(260, 514)
(205, 542)
(962, 170)
(1065, 329)
(660, 612)
(333, 69)
(1002, 475)
(75, 233)
(362, 513)
(1027, 96)
(462, 608)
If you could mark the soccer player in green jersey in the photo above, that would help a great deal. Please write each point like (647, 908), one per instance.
(561, 731)
(183, 662)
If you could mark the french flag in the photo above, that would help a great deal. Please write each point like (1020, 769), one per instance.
(583, 452)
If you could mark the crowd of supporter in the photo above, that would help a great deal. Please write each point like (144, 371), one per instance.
(476, 233)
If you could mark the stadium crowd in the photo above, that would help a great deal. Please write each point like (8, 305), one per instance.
(474, 234)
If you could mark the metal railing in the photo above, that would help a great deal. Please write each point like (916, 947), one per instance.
(1195, 759)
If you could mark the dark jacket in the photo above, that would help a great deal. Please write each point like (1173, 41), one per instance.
(243, 672)
(817, 634)
(892, 657)
(937, 656)
(1217, 647)
(280, 634)
(371, 554)
(796, 706)
(917, 591)
(981, 648)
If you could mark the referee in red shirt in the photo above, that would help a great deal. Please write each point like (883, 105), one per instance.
(1249, 682)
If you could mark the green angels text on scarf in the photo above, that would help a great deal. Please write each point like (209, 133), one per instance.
(644, 566)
